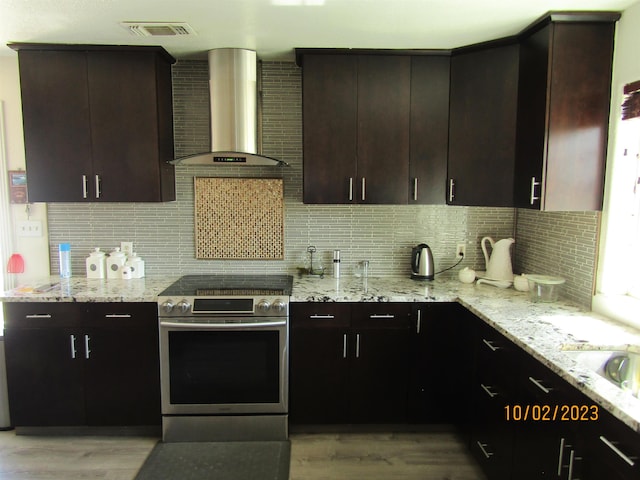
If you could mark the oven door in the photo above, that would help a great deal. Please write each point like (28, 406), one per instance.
(217, 368)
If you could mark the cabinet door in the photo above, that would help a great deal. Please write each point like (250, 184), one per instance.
(429, 129)
(384, 89)
(125, 126)
(329, 126)
(121, 364)
(379, 367)
(44, 369)
(613, 450)
(440, 375)
(484, 88)
(546, 447)
(57, 127)
(319, 377)
(563, 106)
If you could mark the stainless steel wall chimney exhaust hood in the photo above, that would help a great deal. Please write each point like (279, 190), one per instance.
(234, 111)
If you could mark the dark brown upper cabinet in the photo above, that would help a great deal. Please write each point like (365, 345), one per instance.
(98, 123)
(429, 131)
(563, 111)
(356, 118)
(482, 125)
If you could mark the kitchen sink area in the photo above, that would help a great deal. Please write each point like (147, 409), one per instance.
(620, 365)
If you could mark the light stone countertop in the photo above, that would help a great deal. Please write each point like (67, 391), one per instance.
(541, 329)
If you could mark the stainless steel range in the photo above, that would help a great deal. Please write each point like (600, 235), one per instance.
(224, 364)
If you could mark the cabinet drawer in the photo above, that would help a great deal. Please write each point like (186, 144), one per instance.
(320, 314)
(613, 448)
(122, 314)
(41, 314)
(381, 314)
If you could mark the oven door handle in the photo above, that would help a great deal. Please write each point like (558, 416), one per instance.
(221, 326)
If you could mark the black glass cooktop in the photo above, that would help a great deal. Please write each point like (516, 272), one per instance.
(230, 285)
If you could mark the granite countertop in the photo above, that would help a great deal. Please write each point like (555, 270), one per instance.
(544, 330)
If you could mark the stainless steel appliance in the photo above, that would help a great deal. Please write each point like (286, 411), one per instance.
(422, 263)
(224, 357)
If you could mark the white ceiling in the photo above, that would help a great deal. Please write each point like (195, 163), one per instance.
(275, 27)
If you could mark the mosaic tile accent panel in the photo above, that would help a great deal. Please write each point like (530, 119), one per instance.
(239, 218)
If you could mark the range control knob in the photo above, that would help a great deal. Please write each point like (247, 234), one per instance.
(278, 306)
(263, 306)
(183, 306)
(167, 306)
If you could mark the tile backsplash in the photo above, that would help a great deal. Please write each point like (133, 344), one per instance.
(163, 233)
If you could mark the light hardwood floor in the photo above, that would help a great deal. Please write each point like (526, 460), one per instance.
(376, 456)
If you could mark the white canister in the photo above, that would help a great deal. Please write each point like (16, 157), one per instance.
(115, 262)
(96, 264)
(136, 264)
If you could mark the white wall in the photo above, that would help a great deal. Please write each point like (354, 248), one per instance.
(35, 251)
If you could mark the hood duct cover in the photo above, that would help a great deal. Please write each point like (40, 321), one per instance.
(234, 111)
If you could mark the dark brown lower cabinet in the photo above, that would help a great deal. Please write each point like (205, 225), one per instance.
(612, 450)
(348, 363)
(93, 364)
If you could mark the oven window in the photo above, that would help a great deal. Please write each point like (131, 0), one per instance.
(224, 367)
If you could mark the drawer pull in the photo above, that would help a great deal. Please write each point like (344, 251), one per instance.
(85, 188)
(73, 346)
(321, 316)
(87, 350)
(533, 196)
(39, 315)
(358, 345)
(419, 322)
(350, 189)
(612, 446)
(539, 385)
(560, 455)
(452, 185)
(415, 189)
(344, 346)
(375, 315)
(364, 188)
(118, 315)
(488, 391)
(489, 343)
(486, 453)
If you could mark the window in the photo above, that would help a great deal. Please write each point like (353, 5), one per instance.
(618, 288)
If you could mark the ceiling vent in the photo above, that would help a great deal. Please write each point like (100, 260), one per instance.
(158, 29)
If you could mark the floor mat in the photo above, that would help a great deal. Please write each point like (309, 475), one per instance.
(217, 461)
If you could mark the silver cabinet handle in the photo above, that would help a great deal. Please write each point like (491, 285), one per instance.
(612, 446)
(560, 455)
(85, 187)
(358, 345)
(489, 343)
(73, 346)
(419, 322)
(98, 192)
(364, 188)
(350, 189)
(415, 189)
(538, 384)
(534, 184)
(486, 453)
(38, 315)
(322, 316)
(488, 391)
(382, 315)
(118, 315)
(572, 461)
(452, 185)
(344, 346)
(87, 350)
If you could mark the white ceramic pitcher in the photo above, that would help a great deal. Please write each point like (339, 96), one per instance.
(499, 263)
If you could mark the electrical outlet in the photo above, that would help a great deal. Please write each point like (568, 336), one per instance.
(126, 247)
(461, 250)
(30, 228)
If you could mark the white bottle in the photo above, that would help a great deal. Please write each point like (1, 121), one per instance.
(115, 263)
(96, 264)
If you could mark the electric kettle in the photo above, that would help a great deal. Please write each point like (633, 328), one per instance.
(421, 262)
